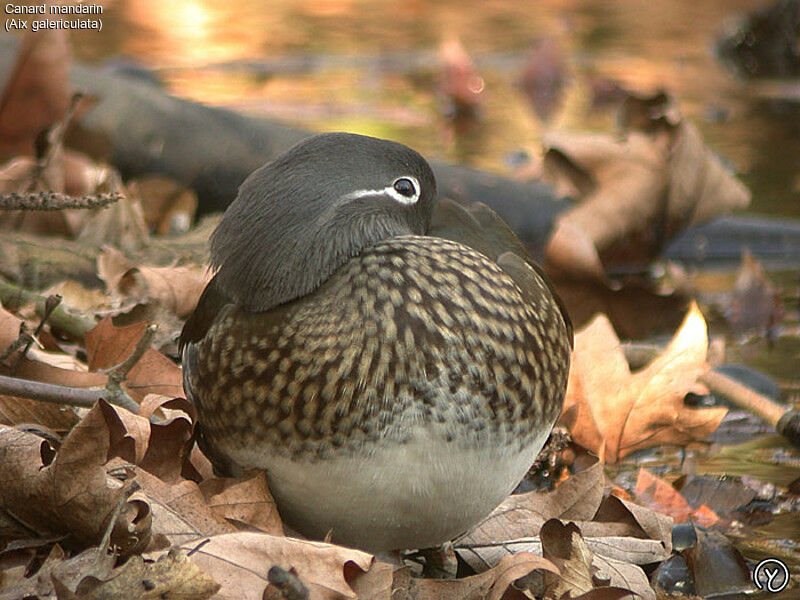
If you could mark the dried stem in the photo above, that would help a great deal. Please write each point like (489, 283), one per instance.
(48, 392)
(50, 200)
(118, 373)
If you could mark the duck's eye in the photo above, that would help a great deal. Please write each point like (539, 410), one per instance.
(405, 187)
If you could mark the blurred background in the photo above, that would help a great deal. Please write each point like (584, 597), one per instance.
(381, 68)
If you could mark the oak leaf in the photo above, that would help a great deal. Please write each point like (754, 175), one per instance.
(636, 190)
(614, 412)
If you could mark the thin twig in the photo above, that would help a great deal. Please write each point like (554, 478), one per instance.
(50, 200)
(22, 339)
(105, 543)
(48, 392)
(118, 373)
(50, 305)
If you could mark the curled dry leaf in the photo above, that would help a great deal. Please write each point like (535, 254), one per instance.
(13, 410)
(240, 562)
(67, 491)
(578, 574)
(494, 584)
(620, 534)
(176, 288)
(614, 412)
(57, 569)
(172, 576)
(636, 193)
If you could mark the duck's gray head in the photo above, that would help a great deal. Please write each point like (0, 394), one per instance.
(299, 218)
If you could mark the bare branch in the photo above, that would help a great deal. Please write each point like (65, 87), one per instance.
(50, 200)
(118, 373)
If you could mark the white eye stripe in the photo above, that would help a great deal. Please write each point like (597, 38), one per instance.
(389, 191)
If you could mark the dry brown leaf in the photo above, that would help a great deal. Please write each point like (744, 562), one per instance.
(563, 545)
(620, 534)
(636, 192)
(108, 345)
(67, 171)
(176, 288)
(492, 584)
(120, 225)
(92, 562)
(47, 373)
(9, 328)
(154, 374)
(246, 500)
(240, 562)
(66, 491)
(180, 512)
(37, 92)
(171, 576)
(522, 515)
(13, 410)
(580, 572)
(614, 412)
(16, 411)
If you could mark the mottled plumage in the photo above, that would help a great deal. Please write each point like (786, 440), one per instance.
(401, 399)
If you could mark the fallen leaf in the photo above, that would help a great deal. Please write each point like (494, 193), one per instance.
(92, 562)
(660, 496)
(618, 532)
(240, 562)
(493, 584)
(614, 412)
(179, 510)
(66, 491)
(176, 288)
(563, 544)
(636, 192)
(246, 500)
(173, 575)
(107, 345)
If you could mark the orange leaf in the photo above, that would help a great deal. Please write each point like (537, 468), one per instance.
(609, 409)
